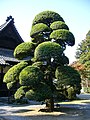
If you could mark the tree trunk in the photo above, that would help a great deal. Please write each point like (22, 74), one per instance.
(50, 104)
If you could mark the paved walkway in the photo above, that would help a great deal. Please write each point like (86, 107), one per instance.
(72, 111)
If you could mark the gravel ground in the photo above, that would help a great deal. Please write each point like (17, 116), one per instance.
(75, 110)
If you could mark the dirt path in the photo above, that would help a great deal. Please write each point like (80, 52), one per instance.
(75, 110)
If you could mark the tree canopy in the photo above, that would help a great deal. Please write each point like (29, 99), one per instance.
(49, 38)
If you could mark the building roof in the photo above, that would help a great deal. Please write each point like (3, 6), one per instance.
(9, 19)
(9, 36)
(9, 39)
(6, 57)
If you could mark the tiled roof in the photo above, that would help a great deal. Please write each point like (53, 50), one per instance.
(6, 56)
(13, 33)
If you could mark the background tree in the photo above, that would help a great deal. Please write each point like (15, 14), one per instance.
(82, 71)
(83, 50)
(83, 55)
(49, 37)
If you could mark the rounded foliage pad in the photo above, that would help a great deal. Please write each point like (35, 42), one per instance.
(39, 28)
(47, 50)
(58, 25)
(20, 92)
(62, 35)
(31, 76)
(42, 92)
(24, 49)
(47, 17)
(12, 74)
(67, 75)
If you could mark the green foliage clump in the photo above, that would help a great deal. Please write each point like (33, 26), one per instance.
(61, 60)
(10, 85)
(83, 50)
(30, 95)
(47, 17)
(67, 75)
(20, 92)
(37, 64)
(47, 50)
(65, 60)
(13, 73)
(58, 25)
(24, 49)
(83, 56)
(39, 28)
(31, 76)
(42, 92)
(38, 38)
(71, 93)
(63, 36)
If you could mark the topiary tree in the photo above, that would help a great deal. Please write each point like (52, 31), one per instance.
(49, 37)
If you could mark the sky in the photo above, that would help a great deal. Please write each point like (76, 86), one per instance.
(76, 14)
